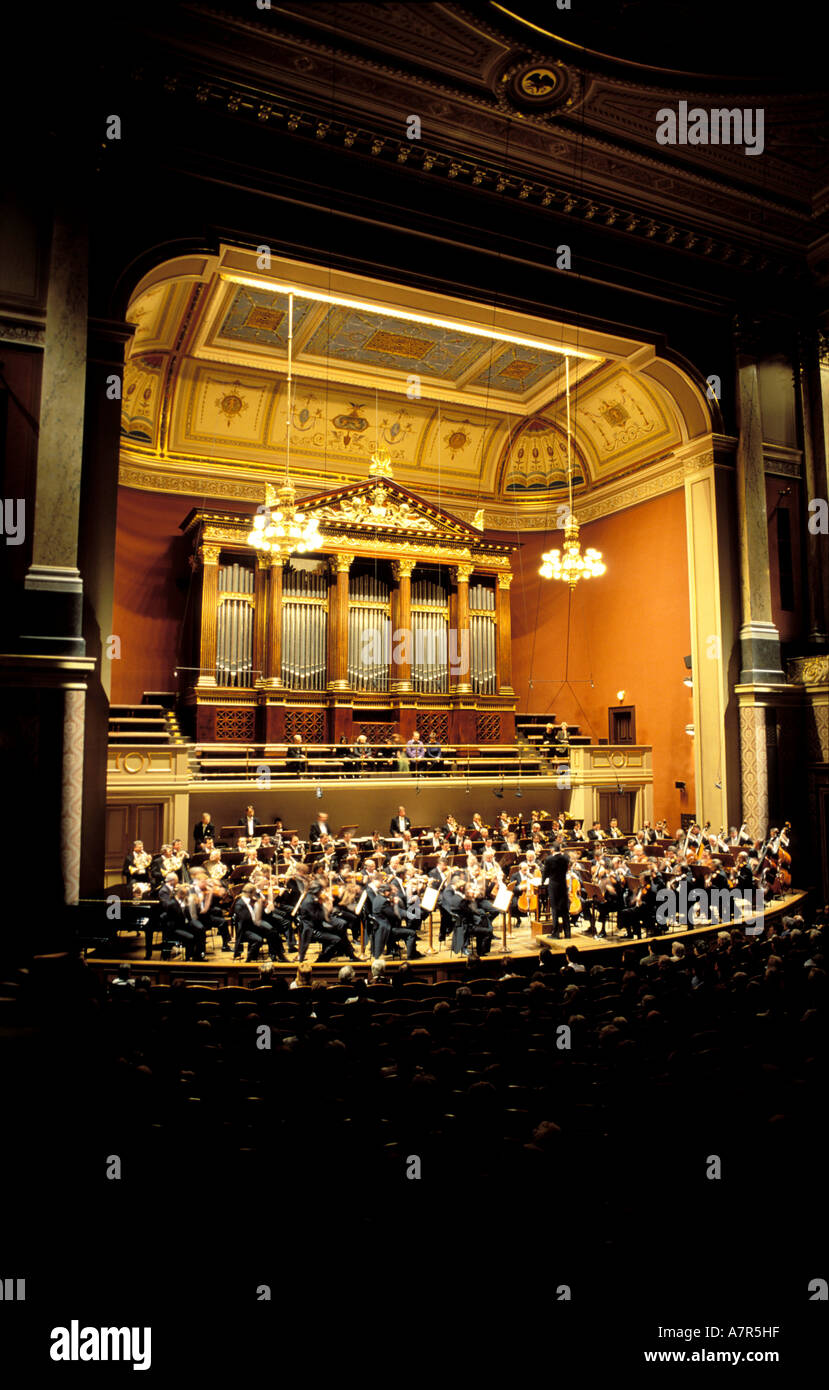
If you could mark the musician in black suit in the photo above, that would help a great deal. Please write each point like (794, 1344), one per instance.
(554, 876)
(319, 828)
(400, 823)
(165, 895)
(595, 832)
(247, 924)
(203, 831)
(250, 821)
(313, 926)
(184, 916)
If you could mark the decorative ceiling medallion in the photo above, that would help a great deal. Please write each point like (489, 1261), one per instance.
(232, 404)
(536, 84)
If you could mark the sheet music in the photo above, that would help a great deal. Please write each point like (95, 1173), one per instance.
(502, 898)
(428, 901)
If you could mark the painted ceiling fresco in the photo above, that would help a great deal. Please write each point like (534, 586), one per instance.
(205, 382)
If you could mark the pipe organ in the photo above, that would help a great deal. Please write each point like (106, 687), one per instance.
(369, 632)
(304, 626)
(482, 639)
(430, 635)
(234, 626)
(401, 620)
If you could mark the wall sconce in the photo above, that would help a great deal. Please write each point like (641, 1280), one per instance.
(620, 695)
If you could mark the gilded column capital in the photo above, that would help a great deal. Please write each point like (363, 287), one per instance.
(461, 574)
(209, 554)
(504, 581)
(402, 569)
(341, 563)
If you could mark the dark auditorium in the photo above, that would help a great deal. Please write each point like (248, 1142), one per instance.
(414, 690)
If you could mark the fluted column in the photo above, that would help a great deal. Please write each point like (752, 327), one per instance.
(459, 646)
(401, 672)
(504, 619)
(759, 637)
(209, 556)
(338, 622)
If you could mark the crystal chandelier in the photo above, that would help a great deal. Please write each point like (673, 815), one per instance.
(572, 564)
(280, 529)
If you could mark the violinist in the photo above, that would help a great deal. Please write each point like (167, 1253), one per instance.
(207, 893)
(247, 922)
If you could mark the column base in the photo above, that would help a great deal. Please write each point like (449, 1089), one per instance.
(270, 683)
(760, 655)
(52, 618)
(338, 685)
(505, 690)
(206, 682)
(400, 687)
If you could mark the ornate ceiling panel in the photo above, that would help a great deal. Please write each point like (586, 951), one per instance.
(458, 412)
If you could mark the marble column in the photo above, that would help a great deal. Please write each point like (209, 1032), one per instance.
(338, 623)
(273, 572)
(815, 478)
(461, 575)
(759, 638)
(504, 620)
(51, 618)
(71, 808)
(209, 556)
(402, 643)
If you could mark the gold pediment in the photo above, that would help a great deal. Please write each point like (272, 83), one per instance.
(380, 505)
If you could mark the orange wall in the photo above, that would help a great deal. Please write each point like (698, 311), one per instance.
(151, 591)
(630, 630)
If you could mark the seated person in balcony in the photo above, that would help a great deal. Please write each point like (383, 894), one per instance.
(250, 821)
(204, 829)
(362, 754)
(416, 750)
(434, 754)
(549, 738)
(397, 754)
(562, 734)
(296, 755)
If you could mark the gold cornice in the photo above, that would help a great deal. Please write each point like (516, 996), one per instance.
(603, 499)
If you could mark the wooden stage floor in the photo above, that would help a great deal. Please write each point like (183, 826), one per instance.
(522, 944)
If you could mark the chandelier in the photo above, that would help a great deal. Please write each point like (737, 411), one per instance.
(280, 529)
(571, 564)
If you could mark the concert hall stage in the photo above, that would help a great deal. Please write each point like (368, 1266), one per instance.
(523, 946)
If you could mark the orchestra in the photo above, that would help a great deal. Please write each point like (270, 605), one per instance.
(352, 894)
